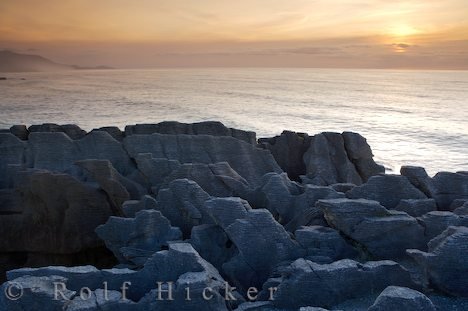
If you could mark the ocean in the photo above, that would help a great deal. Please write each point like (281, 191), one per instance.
(408, 117)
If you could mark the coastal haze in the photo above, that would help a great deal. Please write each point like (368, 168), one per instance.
(408, 117)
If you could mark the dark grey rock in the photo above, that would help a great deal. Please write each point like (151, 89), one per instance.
(360, 154)
(212, 243)
(248, 161)
(305, 211)
(113, 131)
(225, 211)
(343, 187)
(324, 244)
(444, 187)
(155, 170)
(272, 245)
(288, 150)
(12, 151)
(57, 152)
(446, 263)
(437, 222)
(195, 284)
(278, 193)
(462, 210)
(305, 283)
(58, 215)
(183, 204)
(327, 161)
(109, 180)
(143, 235)
(402, 299)
(262, 243)
(164, 266)
(71, 130)
(20, 131)
(389, 190)
(102, 300)
(212, 128)
(416, 207)
(381, 233)
(217, 179)
(131, 207)
(256, 306)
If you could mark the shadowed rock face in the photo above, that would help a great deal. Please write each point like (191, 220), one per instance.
(324, 159)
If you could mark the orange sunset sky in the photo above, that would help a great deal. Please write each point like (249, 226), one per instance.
(414, 34)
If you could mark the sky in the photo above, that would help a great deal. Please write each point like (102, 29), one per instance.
(413, 34)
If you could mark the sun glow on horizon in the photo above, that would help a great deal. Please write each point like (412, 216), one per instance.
(330, 33)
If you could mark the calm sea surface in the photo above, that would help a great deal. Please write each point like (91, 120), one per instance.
(408, 117)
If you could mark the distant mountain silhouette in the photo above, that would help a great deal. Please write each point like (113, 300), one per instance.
(14, 62)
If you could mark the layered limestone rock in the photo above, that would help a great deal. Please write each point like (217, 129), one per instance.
(183, 203)
(71, 130)
(251, 266)
(248, 161)
(58, 215)
(401, 298)
(416, 207)
(12, 152)
(445, 265)
(212, 128)
(378, 232)
(325, 159)
(288, 150)
(202, 206)
(134, 240)
(305, 283)
(57, 152)
(389, 190)
(444, 187)
(437, 222)
(324, 244)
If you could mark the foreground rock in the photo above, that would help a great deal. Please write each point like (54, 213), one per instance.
(402, 299)
(246, 228)
(446, 263)
(379, 233)
(305, 283)
(37, 294)
(180, 263)
(134, 240)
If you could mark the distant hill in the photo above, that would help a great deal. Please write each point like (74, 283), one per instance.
(14, 62)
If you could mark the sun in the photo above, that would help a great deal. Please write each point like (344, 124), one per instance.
(402, 30)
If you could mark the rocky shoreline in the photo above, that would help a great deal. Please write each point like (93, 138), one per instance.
(296, 221)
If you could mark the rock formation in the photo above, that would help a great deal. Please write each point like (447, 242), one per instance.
(295, 222)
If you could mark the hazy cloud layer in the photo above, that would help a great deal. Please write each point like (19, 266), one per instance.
(300, 33)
